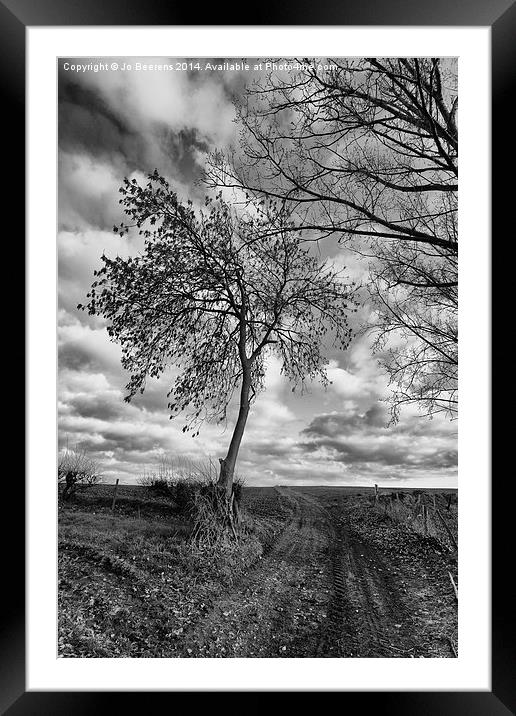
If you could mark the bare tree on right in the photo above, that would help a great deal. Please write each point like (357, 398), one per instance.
(367, 151)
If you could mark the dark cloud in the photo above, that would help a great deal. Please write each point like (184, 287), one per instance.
(83, 354)
(115, 458)
(388, 454)
(336, 424)
(97, 406)
(74, 356)
(365, 439)
(181, 153)
(87, 124)
(270, 449)
(154, 399)
(115, 439)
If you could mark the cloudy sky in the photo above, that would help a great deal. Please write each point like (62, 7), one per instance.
(125, 123)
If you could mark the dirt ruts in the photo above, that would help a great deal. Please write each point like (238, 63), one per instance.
(322, 590)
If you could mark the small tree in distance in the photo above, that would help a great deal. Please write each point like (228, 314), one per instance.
(76, 467)
(212, 294)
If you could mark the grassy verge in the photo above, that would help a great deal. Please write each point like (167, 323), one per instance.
(131, 583)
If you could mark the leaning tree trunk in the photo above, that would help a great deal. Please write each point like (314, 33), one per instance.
(224, 511)
(227, 465)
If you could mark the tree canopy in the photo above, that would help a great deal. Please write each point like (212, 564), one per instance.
(211, 294)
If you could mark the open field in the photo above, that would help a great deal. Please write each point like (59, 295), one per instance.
(319, 572)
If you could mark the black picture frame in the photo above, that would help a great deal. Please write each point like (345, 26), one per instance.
(15, 17)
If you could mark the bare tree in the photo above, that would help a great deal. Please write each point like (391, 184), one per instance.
(74, 468)
(212, 294)
(367, 150)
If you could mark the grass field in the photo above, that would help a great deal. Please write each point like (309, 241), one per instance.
(318, 572)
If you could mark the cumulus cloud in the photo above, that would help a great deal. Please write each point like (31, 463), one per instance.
(367, 442)
(87, 193)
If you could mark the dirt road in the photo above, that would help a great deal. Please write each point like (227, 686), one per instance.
(328, 586)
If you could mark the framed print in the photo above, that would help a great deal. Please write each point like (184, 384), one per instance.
(244, 299)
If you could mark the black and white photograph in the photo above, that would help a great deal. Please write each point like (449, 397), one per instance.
(258, 357)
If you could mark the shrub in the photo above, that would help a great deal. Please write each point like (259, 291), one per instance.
(180, 491)
(159, 486)
(183, 493)
(192, 489)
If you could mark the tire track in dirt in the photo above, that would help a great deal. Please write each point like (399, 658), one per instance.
(274, 610)
(366, 618)
(318, 591)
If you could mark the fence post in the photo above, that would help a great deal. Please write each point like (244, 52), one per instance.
(448, 530)
(425, 520)
(454, 586)
(376, 493)
(114, 496)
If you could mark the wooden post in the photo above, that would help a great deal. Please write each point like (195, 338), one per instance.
(448, 530)
(376, 493)
(425, 520)
(449, 502)
(454, 586)
(114, 496)
(433, 497)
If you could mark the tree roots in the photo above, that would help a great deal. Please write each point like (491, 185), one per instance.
(216, 516)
